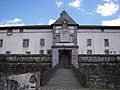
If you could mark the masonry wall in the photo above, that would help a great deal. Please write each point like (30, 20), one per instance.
(14, 42)
(97, 37)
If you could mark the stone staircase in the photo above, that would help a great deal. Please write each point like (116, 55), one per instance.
(63, 79)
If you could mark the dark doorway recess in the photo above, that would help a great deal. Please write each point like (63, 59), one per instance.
(65, 59)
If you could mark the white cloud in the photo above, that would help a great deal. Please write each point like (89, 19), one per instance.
(14, 22)
(107, 0)
(75, 3)
(90, 13)
(59, 3)
(51, 21)
(114, 22)
(39, 24)
(110, 0)
(108, 8)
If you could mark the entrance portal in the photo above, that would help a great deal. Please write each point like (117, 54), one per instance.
(65, 59)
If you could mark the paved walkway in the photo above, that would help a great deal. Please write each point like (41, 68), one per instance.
(63, 79)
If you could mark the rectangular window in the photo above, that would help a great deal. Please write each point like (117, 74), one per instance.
(58, 38)
(1, 42)
(89, 51)
(71, 38)
(41, 52)
(89, 43)
(42, 42)
(25, 43)
(49, 51)
(106, 42)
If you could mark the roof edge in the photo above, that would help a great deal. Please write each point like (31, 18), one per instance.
(97, 27)
(27, 27)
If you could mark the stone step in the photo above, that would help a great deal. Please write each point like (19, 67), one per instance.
(63, 78)
(61, 88)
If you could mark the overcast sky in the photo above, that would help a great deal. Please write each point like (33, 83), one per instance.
(44, 12)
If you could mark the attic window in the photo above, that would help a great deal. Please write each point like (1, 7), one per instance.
(20, 30)
(102, 30)
(64, 26)
(9, 32)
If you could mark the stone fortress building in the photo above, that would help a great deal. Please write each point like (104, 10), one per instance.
(64, 39)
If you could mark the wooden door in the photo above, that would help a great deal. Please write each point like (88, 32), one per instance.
(65, 60)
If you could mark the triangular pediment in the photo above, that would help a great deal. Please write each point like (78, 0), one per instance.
(64, 17)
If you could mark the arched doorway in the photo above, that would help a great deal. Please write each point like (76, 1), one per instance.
(65, 59)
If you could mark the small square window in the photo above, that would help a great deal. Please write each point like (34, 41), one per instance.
(106, 51)
(42, 42)
(89, 51)
(1, 42)
(25, 43)
(89, 42)
(28, 52)
(41, 52)
(8, 52)
(49, 51)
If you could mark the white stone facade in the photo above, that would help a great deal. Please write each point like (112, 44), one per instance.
(13, 42)
(97, 40)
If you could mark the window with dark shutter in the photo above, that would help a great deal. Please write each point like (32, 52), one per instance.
(1, 42)
(106, 42)
(25, 43)
(89, 43)
(42, 42)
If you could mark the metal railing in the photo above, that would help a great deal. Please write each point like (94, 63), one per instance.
(44, 78)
